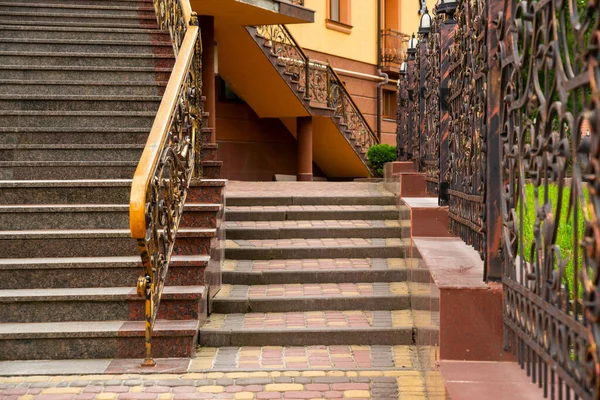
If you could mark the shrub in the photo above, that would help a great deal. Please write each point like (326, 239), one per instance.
(379, 155)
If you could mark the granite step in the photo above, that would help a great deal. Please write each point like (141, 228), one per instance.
(338, 270)
(82, 88)
(315, 248)
(291, 297)
(94, 272)
(315, 212)
(85, 46)
(122, 10)
(148, 60)
(98, 304)
(211, 169)
(131, 3)
(99, 102)
(70, 170)
(90, 191)
(56, 32)
(89, 216)
(304, 200)
(209, 152)
(317, 229)
(73, 135)
(94, 243)
(58, 18)
(68, 73)
(327, 327)
(112, 119)
(59, 152)
(95, 339)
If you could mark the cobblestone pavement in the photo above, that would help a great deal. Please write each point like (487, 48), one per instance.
(326, 242)
(312, 289)
(315, 264)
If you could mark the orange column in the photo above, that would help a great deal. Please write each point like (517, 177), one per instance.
(207, 30)
(305, 149)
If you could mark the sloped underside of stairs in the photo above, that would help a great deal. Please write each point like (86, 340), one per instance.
(81, 83)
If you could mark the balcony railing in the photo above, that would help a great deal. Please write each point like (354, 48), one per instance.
(393, 48)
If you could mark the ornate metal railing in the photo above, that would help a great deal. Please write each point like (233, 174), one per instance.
(318, 84)
(169, 161)
(393, 48)
(431, 134)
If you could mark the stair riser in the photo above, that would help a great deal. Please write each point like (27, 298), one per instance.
(82, 90)
(84, 75)
(40, 33)
(60, 195)
(32, 19)
(189, 246)
(60, 247)
(313, 201)
(209, 154)
(75, 121)
(277, 278)
(74, 138)
(88, 61)
(313, 252)
(83, 220)
(127, 3)
(25, 46)
(211, 172)
(289, 233)
(79, 105)
(96, 348)
(85, 310)
(206, 194)
(311, 304)
(70, 154)
(311, 215)
(93, 277)
(66, 172)
(77, 10)
(307, 338)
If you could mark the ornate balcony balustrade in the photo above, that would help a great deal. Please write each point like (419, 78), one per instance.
(393, 48)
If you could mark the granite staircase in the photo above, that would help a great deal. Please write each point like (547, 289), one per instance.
(81, 83)
(314, 265)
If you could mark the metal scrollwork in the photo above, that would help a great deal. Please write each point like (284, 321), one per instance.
(431, 153)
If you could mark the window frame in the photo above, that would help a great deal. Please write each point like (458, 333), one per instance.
(343, 23)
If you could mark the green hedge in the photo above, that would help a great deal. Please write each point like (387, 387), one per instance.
(380, 154)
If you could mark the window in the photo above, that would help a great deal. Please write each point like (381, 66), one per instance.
(338, 15)
(389, 104)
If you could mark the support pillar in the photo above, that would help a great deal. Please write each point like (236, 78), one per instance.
(305, 148)
(207, 30)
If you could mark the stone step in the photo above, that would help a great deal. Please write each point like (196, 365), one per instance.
(121, 10)
(73, 135)
(81, 33)
(72, 59)
(113, 119)
(339, 270)
(211, 169)
(317, 229)
(97, 304)
(109, 191)
(98, 103)
(68, 73)
(93, 243)
(309, 328)
(58, 18)
(82, 88)
(209, 152)
(58, 152)
(95, 339)
(89, 216)
(85, 46)
(291, 297)
(305, 200)
(315, 248)
(54, 170)
(315, 212)
(94, 272)
(131, 3)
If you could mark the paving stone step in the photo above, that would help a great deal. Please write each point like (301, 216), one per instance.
(58, 32)
(239, 199)
(93, 191)
(315, 212)
(85, 46)
(309, 328)
(90, 216)
(82, 88)
(100, 102)
(61, 59)
(68, 73)
(59, 152)
(340, 270)
(314, 248)
(95, 339)
(317, 229)
(93, 243)
(112, 119)
(98, 304)
(54, 170)
(93, 272)
(291, 297)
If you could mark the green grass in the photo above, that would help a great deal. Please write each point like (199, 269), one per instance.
(566, 229)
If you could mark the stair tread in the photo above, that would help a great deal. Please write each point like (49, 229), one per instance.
(317, 224)
(86, 83)
(93, 207)
(99, 97)
(80, 113)
(33, 330)
(93, 233)
(58, 15)
(82, 68)
(93, 294)
(76, 6)
(326, 266)
(109, 262)
(97, 183)
(149, 43)
(98, 146)
(80, 29)
(313, 208)
(315, 243)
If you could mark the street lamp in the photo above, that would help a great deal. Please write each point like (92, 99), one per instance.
(425, 24)
(447, 6)
(403, 69)
(412, 46)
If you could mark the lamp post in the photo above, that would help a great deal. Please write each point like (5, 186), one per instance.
(401, 127)
(425, 24)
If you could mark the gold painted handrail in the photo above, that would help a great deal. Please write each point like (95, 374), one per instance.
(169, 161)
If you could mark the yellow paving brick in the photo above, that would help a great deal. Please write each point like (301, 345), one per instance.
(31, 379)
(250, 353)
(192, 376)
(165, 377)
(357, 394)
(211, 389)
(65, 390)
(290, 373)
(284, 387)
(106, 396)
(244, 396)
(56, 379)
(215, 375)
(165, 396)
(275, 374)
(259, 374)
(295, 359)
(26, 397)
(95, 378)
(312, 374)
(352, 374)
(136, 389)
(370, 373)
(336, 373)
(236, 375)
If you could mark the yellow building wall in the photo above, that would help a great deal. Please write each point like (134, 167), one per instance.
(359, 45)
(409, 15)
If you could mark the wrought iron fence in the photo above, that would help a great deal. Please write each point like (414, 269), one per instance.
(518, 96)
(393, 48)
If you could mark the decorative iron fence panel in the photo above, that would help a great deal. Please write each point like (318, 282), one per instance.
(431, 131)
